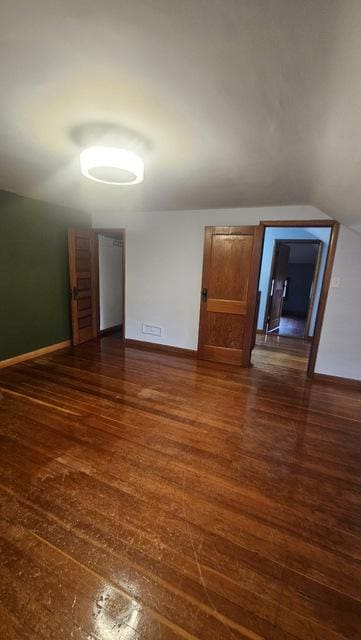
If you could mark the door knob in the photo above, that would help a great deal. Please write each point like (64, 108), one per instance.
(204, 294)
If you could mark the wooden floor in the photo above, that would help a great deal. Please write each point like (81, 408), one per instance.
(153, 496)
(292, 327)
(291, 352)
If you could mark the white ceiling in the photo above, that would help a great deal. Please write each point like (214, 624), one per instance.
(245, 102)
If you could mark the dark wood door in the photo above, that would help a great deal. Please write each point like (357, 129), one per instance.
(82, 272)
(279, 277)
(229, 293)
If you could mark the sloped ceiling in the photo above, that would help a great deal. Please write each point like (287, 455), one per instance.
(244, 102)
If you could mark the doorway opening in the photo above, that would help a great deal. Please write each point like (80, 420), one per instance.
(294, 278)
(110, 281)
(97, 283)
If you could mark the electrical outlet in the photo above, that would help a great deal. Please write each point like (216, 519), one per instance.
(151, 330)
(335, 282)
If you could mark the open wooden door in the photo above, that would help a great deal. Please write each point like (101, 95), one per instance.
(82, 272)
(229, 293)
(279, 277)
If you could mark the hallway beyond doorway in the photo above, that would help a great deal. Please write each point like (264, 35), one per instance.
(294, 327)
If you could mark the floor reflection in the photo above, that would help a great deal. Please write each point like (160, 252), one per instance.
(107, 626)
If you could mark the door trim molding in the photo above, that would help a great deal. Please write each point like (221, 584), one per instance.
(164, 348)
(314, 288)
(324, 378)
(255, 270)
(34, 354)
(334, 226)
(327, 222)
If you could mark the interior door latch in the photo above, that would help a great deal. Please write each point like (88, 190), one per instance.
(204, 294)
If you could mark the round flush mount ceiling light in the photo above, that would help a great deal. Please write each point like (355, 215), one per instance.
(112, 165)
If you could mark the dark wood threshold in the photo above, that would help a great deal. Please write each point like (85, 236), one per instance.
(337, 380)
(109, 330)
(165, 348)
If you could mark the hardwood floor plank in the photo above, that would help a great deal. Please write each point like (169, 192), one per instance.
(202, 501)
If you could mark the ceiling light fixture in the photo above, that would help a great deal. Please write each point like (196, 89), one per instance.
(112, 165)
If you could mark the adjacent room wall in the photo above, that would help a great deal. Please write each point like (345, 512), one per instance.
(297, 301)
(163, 277)
(34, 281)
(110, 281)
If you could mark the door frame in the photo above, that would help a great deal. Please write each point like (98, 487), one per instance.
(115, 234)
(276, 243)
(334, 226)
(313, 290)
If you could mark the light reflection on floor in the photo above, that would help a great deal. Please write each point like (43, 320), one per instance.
(106, 625)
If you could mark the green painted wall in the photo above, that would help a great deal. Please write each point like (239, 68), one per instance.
(34, 280)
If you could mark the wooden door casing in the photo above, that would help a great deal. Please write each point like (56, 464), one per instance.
(313, 288)
(230, 275)
(82, 274)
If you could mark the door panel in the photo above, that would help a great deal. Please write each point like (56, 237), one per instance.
(230, 275)
(227, 306)
(229, 254)
(279, 277)
(224, 330)
(82, 273)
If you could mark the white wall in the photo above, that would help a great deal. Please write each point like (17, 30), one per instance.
(110, 282)
(164, 254)
(340, 346)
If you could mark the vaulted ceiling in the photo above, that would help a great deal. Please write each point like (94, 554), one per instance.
(243, 102)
